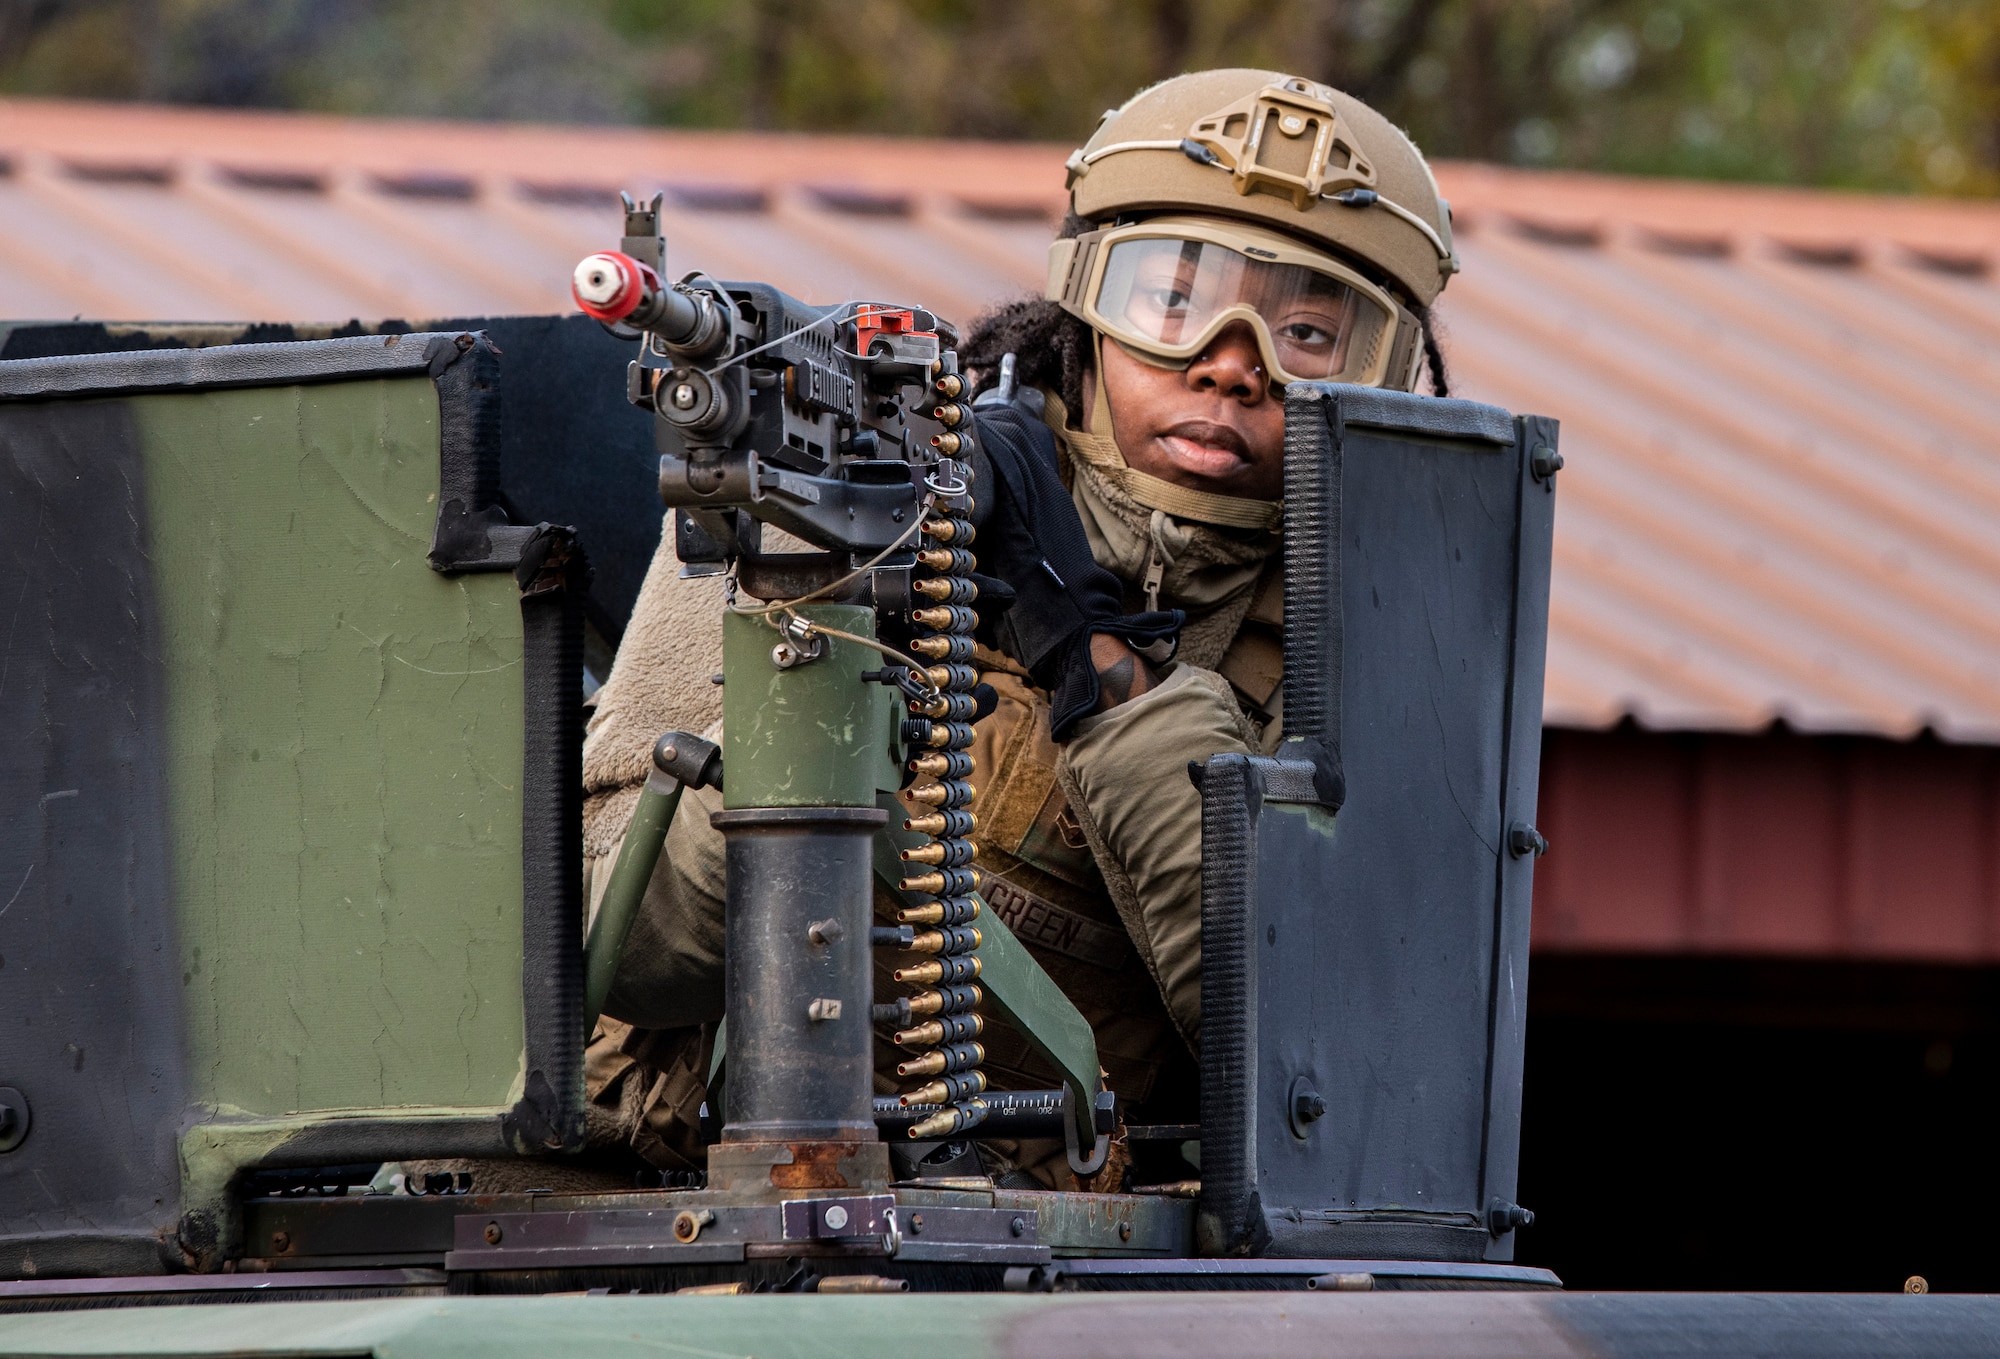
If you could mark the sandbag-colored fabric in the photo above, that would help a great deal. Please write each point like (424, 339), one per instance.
(660, 682)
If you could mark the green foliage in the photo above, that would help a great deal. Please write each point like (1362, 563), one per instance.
(1849, 92)
(1884, 94)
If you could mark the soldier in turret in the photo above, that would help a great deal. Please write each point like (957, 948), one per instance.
(1230, 232)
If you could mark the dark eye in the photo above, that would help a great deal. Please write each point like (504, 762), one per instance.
(1305, 333)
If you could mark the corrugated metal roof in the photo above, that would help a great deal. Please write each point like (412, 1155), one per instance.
(1781, 409)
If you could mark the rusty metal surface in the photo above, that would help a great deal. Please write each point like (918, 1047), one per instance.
(1779, 407)
(698, 1229)
(472, 1231)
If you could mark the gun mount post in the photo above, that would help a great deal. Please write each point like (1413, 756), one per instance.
(803, 742)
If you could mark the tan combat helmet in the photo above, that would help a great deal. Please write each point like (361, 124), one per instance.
(1283, 152)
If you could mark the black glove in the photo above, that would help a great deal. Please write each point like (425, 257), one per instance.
(1031, 538)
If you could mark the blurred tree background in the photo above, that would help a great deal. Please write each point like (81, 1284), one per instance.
(1875, 94)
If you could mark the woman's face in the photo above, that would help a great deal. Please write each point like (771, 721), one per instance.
(1215, 426)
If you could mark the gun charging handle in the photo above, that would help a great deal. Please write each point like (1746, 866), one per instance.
(616, 289)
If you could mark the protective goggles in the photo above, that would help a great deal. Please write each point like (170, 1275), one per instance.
(1166, 288)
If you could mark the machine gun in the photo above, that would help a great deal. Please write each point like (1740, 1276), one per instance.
(844, 427)
(836, 424)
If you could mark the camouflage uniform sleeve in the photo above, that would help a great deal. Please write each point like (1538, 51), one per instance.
(671, 973)
(646, 1067)
(1126, 775)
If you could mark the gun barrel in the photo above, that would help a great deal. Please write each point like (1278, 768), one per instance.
(617, 289)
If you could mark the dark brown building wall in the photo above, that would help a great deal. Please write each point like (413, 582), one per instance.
(1774, 844)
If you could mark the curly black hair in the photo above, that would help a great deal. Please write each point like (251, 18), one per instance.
(1433, 351)
(1052, 349)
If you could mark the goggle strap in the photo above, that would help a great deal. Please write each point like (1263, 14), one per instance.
(1063, 284)
(1406, 353)
(1070, 264)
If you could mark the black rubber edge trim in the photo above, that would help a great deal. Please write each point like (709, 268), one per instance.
(249, 1285)
(473, 534)
(1314, 646)
(1388, 1269)
(1228, 1218)
(473, 530)
(239, 365)
(552, 573)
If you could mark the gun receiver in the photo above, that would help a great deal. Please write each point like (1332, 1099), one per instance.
(831, 423)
